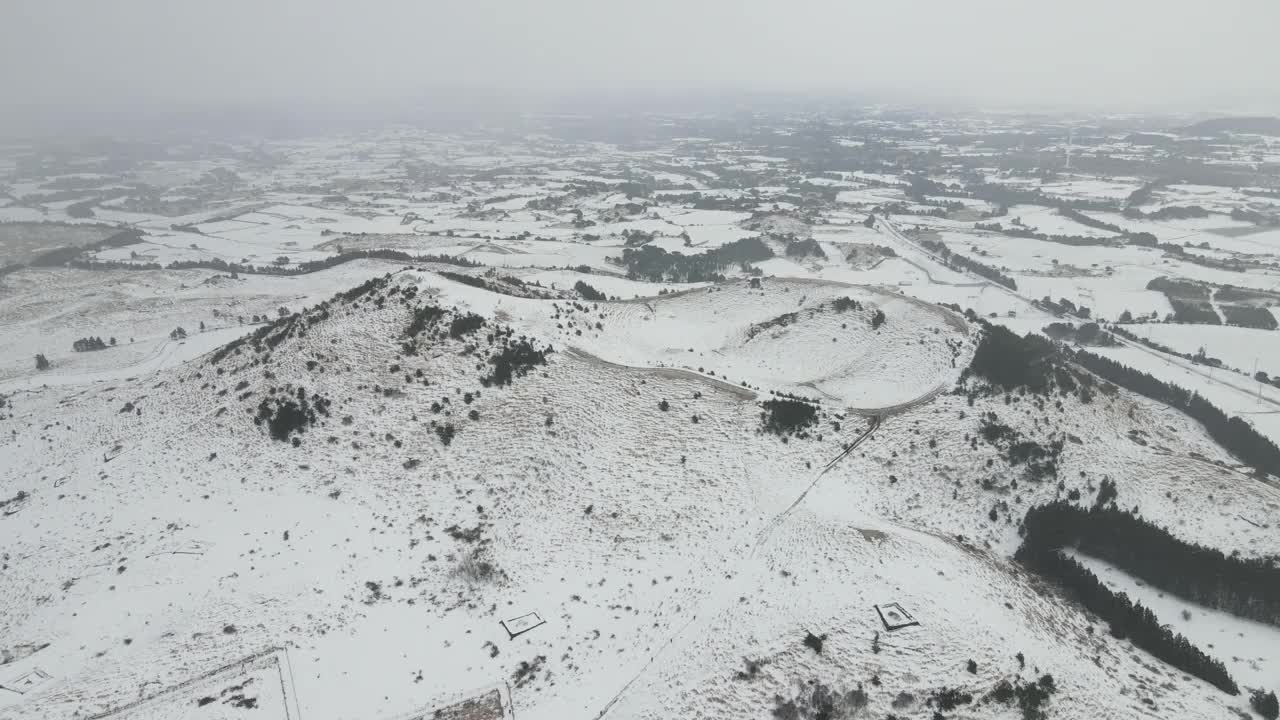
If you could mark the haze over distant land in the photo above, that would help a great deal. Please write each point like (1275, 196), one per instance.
(1143, 55)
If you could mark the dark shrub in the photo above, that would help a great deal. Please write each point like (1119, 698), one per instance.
(589, 293)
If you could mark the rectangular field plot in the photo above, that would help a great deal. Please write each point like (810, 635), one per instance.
(255, 688)
(484, 706)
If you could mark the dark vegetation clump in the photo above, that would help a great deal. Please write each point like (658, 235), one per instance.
(446, 433)
(814, 642)
(1010, 362)
(845, 304)
(805, 248)
(788, 417)
(877, 319)
(423, 317)
(1265, 704)
(947, 699)
(286, 415)
(818, 701)
(465, 324)
(752, 670)
(515, 359)
(589, 293)
(658, 265)
(1031, 697)
(1259, 318)
(1103, 532)
(1040, 461)
(89, 344)
(780, 321)
(527, 671)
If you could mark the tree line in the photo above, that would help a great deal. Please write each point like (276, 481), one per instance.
(87, 344)
(1127, 619)
(302, 268)
(972, 266)
(1232, 433)
(1248, 588)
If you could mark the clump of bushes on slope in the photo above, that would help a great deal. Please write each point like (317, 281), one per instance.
(1040, 461)
(820, 702)
(288, 415)
(589, 293)
(1030, 696)
(515, 359)
(788, 417)
(465, 325)
(423, 317)
(845, 304)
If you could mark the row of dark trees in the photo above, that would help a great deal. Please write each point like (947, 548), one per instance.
(87, 344)
(1232, 433)
(1029, 233)
(220, 265)
(1041, 553)
(969, 264)
(1145, 239)
(1171, 212)
(1128, 620)
(1248, 588)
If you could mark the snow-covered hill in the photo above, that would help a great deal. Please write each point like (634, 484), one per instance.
(437, 473)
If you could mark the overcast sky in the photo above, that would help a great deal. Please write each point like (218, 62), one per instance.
(1126, 54)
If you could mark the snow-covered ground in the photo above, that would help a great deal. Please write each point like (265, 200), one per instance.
(164, 558)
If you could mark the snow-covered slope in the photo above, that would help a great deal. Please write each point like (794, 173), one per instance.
(155, 535)
(811, 338)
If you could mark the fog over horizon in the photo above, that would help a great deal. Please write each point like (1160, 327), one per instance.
(60, 57)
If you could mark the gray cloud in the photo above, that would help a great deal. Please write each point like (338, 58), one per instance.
(1130, 54)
